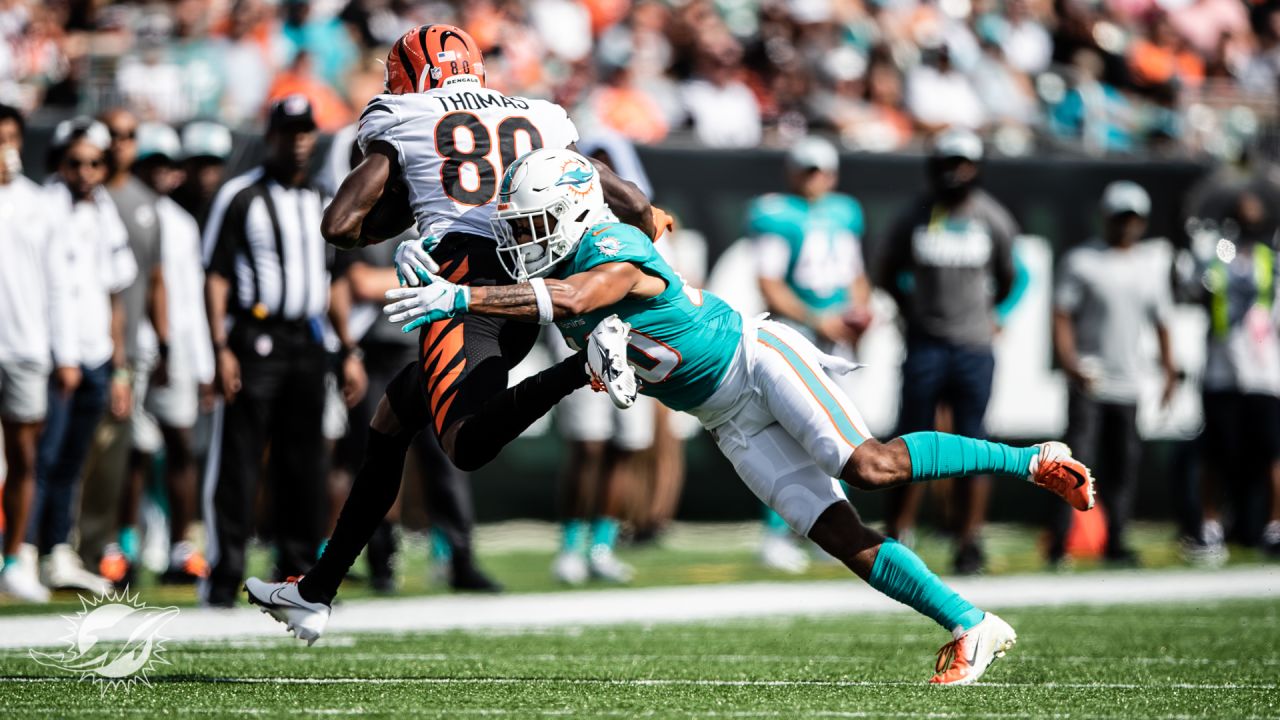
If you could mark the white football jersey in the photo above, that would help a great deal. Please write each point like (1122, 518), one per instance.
(454, 143)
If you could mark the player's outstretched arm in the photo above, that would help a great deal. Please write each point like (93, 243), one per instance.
(578, 294)
(344, 219)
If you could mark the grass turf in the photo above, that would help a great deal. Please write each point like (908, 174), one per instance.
(1217, 659)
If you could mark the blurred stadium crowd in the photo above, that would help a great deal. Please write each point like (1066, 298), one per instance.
(1107, 77)
(103, 375)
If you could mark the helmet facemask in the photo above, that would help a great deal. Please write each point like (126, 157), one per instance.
(531, 242)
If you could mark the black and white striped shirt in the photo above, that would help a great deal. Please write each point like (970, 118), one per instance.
(265, 238)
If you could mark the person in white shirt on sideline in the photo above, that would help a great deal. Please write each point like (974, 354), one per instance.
(1109, 291)
(164, 415)
(34, 317)
(97, 267)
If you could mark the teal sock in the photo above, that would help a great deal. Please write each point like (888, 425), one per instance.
(903, 576)
(604, 531)
(774, 524)
(941, 455)
(129, 543)
(10, 561)
(323, 544)
(573, 533)
(441, 550)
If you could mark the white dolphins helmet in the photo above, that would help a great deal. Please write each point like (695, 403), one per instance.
(547, 201)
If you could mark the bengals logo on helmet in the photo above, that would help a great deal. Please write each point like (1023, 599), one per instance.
(426, 56)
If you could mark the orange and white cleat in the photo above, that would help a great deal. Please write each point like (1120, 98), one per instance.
(1056, 471)
(186, 566)
(963, 660)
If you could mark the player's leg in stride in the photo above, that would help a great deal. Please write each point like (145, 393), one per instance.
(893, 569)
(817, 436)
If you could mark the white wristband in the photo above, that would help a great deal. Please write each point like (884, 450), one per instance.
(546, 311)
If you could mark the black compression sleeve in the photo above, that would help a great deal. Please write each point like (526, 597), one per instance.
(373, 492)
(504, 416)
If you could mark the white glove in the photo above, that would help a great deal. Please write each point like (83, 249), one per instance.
(436, 300)
(413, 261)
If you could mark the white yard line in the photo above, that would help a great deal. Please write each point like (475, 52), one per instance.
(686, 604)
(675, 682)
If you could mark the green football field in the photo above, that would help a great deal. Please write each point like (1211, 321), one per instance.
(1206, 659)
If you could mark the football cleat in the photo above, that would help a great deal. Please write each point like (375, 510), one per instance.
(282, 601)
(570, 568)
(187, 566)
(1055, 470)
(607, 361)
(18, 578)
(1271, 539)
(62, 569)
(783, 553)
(603, 564)
(963, 660)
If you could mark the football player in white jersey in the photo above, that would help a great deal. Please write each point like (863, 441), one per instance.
(434, 147)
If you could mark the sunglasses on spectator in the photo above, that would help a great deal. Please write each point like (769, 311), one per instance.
(77, 163)
(125, 135)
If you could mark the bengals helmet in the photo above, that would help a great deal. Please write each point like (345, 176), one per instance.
(423, 58)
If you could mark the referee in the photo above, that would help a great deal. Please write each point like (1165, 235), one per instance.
(267, 286)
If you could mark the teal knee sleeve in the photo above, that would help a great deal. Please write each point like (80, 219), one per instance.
(903, 576)
(940, 455)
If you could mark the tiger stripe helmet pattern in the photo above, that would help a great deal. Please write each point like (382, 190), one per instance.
(423, 58)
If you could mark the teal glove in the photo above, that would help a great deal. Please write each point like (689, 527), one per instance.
(437, 299)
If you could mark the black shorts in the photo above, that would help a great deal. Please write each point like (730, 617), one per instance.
(1241, 427)
(462, 361)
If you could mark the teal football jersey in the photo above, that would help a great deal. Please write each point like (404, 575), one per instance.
(822, 240)
(682, 341)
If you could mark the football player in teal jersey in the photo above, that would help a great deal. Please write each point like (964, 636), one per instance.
(758, 386)
(809, 265)
(809, 252)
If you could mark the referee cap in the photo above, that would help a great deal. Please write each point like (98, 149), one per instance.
(291, 111)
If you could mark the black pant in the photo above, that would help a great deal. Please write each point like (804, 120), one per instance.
(1241, 439)
(1104, 436)
(446, 489)
(937, 371)
(281, 404)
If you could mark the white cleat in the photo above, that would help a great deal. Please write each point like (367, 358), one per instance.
(603, 564)
(305, 619)
(782, 553)
(570, 568)
(62, 569)
(963, 660)
(18, 579)
(607, 361)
